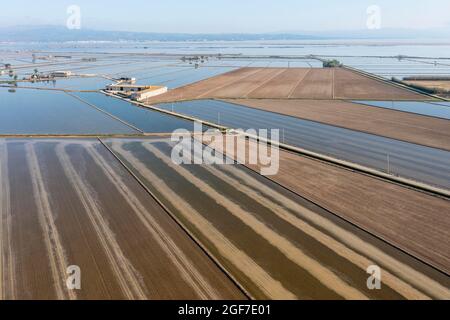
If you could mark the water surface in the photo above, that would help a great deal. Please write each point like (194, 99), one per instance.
(145, 119)
(432, 109)
(410, 160)
(30, 111)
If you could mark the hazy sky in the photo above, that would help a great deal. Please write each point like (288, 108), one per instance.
(213, 16)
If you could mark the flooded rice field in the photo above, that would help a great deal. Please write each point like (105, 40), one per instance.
(171, 72)
(75, 84)
(343, 47)
(432, 109)
(401, 158)
(29, 111)
(409, 127)
(392, 59)
(390, 67)
(70, 202)
(275, 243)
(141, 227)
(145, 119)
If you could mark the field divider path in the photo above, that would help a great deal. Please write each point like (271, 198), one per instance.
(175, 254)
(333, 84)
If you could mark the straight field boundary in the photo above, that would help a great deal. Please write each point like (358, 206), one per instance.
(203, 248)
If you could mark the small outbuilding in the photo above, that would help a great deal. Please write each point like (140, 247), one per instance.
(135, 92)
(61, 74)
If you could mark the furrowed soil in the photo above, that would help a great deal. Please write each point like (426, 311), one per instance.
(70, 202)
(276, 244)
(411, 220)
(289, 83)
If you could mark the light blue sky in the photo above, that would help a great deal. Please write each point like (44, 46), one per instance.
(214, 16)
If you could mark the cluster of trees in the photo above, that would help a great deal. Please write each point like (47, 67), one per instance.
(11, 72)
(332, 64)
(195, 59)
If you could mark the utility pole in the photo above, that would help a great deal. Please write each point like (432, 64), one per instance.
(388, 164)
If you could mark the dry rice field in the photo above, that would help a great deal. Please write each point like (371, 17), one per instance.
(292, 83)
(409, 127)
(411, 220)
(70, 202)
(276, 244)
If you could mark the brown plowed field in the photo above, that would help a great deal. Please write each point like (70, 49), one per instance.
(411, 220)
(70, 202)
(247, 85)
(351, 85)
(283, 83)
(428, 131)
(275, 243)
(209, 85)
(318, 84)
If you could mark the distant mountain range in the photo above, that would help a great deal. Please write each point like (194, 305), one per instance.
(62, 34)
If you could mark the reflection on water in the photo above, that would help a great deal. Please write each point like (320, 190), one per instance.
(433, 109)
(29, 111)
(145, 119)
(401, 158)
